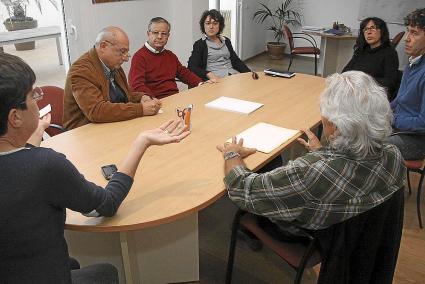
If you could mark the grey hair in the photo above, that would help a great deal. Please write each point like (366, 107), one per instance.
(158, 20)
(107, 33)
(359, 109)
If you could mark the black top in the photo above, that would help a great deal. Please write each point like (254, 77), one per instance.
(381, 63)
(198, 60)
(363, 249)
(37, 184)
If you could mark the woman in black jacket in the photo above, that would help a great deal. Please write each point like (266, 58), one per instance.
(374, 55)
(213, 56)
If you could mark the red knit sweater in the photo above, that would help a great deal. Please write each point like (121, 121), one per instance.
(155, 73)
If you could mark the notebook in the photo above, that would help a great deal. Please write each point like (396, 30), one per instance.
(265, 137)
(234, 105)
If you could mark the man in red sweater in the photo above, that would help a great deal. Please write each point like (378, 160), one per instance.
(154, 69)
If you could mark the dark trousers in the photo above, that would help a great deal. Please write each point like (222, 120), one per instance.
(102, 273)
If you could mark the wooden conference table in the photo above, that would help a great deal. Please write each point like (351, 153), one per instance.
(335, 51)
(154, 236)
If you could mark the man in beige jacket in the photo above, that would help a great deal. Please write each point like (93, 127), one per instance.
(96, 88)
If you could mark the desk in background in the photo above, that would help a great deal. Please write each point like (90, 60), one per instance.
(26, 35)
(335, 51)
(154, 236)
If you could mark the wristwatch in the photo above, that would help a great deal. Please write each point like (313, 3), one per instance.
(230, 155)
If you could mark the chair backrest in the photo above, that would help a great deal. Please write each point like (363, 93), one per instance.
(395, 41)
(363, 249)
(290, 37)
(54, 96)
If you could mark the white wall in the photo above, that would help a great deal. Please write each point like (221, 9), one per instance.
(320, 13)
(133, 17)
(254, 36)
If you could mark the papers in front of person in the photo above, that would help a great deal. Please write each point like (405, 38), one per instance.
(279, 73)
(234, 105)
(265, 137)
(312, 28)
(45, 110)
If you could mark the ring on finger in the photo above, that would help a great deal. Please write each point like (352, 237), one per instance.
(166, 131)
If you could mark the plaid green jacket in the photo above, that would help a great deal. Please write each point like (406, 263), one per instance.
(320, 189)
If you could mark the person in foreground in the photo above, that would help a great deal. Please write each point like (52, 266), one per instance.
(38, 184)
(409, 105)
(213, 56)
(96, 88)
(374, 55)
(154, 69)
(356, 172)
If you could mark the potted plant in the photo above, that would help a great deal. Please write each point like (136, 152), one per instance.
(18, 20)
(282, 15)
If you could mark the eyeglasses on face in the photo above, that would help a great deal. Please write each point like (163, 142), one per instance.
(371, 28)
(157, 34)
(122, 51)
(37, 94)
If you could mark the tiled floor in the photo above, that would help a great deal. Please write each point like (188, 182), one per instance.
(44, 61)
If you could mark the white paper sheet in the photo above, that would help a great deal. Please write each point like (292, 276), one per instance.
(234, 105)
(45, 110)
(265, 137)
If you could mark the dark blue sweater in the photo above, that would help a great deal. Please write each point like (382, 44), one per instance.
(36, 186)
(409, 105)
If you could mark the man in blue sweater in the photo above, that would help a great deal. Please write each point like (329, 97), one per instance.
(409, 105)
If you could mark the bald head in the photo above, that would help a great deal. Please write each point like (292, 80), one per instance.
(111, 34)
(112, 46)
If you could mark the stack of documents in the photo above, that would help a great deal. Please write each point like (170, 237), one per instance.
(312, 29)
(234, 105)
(265, 137)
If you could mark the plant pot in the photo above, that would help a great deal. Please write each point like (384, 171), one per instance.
(28, 23)
(275, 50)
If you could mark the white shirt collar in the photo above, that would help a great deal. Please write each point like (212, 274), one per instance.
(148, 46)
(413, 61)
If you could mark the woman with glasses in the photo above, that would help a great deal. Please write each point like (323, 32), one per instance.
(213, 56)
(38, 184)
(374, 55)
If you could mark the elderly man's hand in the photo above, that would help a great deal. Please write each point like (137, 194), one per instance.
(151, 107)
(236, 147)
(313, 142)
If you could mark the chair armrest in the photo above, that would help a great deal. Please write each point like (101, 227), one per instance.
(310, 38)
(312, 43)
(63, 129)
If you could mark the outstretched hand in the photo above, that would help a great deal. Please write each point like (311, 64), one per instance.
(173, 131)
(313, 142)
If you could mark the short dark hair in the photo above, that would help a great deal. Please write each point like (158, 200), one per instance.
(361, 43)
(158, 20)
(416, 19)
(216, 16)
(16, 80)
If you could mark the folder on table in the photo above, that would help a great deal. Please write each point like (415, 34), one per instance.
(234, 105)
(265, 137)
